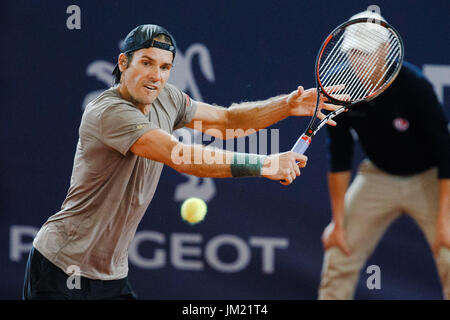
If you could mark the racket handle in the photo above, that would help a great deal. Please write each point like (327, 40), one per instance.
(302, 144)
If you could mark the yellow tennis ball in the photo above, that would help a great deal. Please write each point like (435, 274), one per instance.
(193, 210)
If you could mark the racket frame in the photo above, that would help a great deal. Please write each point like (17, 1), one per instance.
(311, 131)
(304, 140)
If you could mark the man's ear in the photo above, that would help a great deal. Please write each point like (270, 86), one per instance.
(122, 61)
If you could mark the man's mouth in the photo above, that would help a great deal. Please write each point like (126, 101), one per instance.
(151, 87)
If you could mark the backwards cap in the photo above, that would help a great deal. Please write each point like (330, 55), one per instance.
(143, 37)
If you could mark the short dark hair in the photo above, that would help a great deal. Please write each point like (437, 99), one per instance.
(117, 73)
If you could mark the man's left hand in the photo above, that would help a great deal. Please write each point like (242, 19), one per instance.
(303, 103)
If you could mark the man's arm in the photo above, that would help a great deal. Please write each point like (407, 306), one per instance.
(203, 161)
(338, 183)
(340, 151)
(334, 234)
(443, 221)
(434, 125)
(248, 117)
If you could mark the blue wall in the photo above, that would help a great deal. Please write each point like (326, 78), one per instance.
(240, 51)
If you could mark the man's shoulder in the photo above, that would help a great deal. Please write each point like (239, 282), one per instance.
(171, 91)
(171, 88)
(412, 74)
(106, 100)
(171, 95)
(410, 82)
(106, 107)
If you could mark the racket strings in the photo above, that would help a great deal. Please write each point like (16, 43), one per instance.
(345, 75)
(367, 81)
(336, 57)
(369, 46)
(366, 65)
(357, 75)
(391, 59)
(362, 59)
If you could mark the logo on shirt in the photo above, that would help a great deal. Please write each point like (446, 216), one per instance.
(401, 124)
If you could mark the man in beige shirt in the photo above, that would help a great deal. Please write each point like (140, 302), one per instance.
(125, 138)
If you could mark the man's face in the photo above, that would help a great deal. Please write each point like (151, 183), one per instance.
(146, 75)
(368, 66)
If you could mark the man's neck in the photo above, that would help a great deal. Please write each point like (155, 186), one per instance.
(145, 108)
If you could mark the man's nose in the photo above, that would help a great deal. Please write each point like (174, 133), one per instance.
(154, 74)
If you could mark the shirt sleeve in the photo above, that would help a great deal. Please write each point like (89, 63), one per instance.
(433, 124)
(122, 125)
(340, 146)
(185, 105)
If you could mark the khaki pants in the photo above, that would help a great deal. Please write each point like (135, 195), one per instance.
(373, 201)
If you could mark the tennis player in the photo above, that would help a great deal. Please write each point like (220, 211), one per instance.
(125, 138)
(406, 141)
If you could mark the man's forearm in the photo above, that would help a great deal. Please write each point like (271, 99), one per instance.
(444, 203)
(208, 162)
(248, 117)
(257, 115)
(338, 183)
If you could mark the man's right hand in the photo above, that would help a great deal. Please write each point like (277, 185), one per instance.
(334, 236)
(283, 166)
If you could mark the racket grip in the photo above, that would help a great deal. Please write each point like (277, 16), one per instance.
(302, 144)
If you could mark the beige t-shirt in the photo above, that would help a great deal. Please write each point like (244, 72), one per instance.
(110, 187)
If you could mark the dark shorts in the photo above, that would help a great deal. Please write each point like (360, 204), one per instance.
(45, 281)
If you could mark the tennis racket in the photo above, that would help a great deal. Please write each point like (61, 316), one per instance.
(362, 57)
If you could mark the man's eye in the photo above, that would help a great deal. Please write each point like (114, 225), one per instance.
(145, 63)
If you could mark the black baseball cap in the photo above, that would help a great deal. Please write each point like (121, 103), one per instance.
(143, 37)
